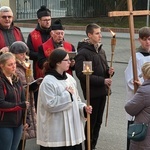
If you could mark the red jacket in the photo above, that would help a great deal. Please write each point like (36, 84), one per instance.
(48, 47)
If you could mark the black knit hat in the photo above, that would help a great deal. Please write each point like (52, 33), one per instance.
(18, 47)
(56, 25)
(43, 11)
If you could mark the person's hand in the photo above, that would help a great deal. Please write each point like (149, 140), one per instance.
(88, 109)
(138, 82)
(70, 89)
(111, 71)
(27, 104)
(25, 127)
(72, 62)
(108, 82)
(4, 49)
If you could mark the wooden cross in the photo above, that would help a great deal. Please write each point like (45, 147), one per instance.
(130, 13)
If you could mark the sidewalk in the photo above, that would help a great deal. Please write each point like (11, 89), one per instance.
(112, 137)
(26, 30)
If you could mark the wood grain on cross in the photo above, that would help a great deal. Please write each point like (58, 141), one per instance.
(130, 13)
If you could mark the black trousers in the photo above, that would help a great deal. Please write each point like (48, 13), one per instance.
(128, 141)
(76, 147)
(96, 118)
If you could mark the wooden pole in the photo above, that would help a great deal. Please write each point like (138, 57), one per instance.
(130, 13)
(28, 75)
(88, 71)
(133, 53)
(88, 115)
(113, 44)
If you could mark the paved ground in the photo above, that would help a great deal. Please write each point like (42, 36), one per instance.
(112, 137)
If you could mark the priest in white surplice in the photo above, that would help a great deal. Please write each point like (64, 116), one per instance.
(142, 56)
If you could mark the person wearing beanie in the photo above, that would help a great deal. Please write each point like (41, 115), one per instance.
(142, 56)
(36, 38)
(56, 40)
(8, 32)
(20, 49)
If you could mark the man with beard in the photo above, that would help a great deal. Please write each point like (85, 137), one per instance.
(36, 38)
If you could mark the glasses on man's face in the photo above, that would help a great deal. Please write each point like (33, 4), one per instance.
(5, 17)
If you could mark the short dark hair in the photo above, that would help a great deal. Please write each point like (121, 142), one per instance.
(55, 57)
(90, 27)
(144, 32)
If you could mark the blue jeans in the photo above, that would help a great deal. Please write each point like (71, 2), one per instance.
(10, 138)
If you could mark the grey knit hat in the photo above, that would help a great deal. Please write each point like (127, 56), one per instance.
(18, 47)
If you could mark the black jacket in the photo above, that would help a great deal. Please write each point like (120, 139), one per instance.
(12, 102)
(87, 52)
(8, 35)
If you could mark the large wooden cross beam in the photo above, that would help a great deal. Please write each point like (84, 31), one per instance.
(130, 13)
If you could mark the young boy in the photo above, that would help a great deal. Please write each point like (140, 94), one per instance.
(90, 49)
(142, 56)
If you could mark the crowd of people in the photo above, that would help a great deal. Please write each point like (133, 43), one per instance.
(51, 110)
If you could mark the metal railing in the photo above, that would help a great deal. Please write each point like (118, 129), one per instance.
(26, 9)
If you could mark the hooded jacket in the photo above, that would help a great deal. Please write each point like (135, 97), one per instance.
(89, 52)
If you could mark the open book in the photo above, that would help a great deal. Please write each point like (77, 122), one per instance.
(34, 84)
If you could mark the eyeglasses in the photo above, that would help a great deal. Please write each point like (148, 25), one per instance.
(5, 17)
(68, 60)
(46, 20)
